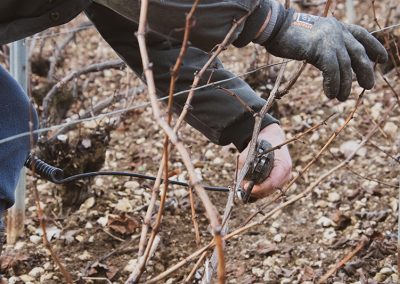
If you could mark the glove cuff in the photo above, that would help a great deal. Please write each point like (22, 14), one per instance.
(263, 16)
(270, 22)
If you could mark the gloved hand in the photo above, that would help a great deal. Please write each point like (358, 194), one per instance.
(331, 46)
(282, 171)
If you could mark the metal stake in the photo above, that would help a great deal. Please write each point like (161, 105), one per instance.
(16, 214)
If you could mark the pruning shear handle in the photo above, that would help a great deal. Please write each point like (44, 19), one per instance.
(260, 169)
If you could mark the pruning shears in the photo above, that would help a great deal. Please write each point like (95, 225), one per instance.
(259, 169)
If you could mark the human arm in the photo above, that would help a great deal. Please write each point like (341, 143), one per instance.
(216, 114)
(333, 47)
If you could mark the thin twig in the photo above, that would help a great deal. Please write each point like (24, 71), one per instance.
(239, 99)
(386, 37)
(344, 260)
(390, 86)
(41, 217)
(396, 160)
(195, 267)
(327, 6)
(56, 57)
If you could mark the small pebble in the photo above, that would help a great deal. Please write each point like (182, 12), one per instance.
(19, 245)
(333, 197)
(269, 261)
(181, 192)
(46, 276)
(386, 270)
(379, 277)
(89, 225)
(36, 272)
(218, 161)
(321, 204)
(278, 238)
(391, 129)
(102, 221)
(131, 265)
(26, 278)
(395, 278)
(257, 271)
(80, 238)
(276, 225)
(329, 234)
(394, 204)
(324, 222)
(35, 239)
(273, 231)
(13, 280)
(85, 255)
(209, 154)
(47, 266)
(124, 205)
(131, 184)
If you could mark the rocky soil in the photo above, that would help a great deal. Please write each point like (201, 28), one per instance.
(97, 239)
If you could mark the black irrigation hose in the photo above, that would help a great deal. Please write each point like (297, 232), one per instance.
(56, 175)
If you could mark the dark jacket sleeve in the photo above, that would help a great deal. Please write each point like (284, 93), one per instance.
(213, 19)
(219, 116)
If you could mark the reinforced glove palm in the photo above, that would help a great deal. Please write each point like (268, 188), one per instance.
(333, 47)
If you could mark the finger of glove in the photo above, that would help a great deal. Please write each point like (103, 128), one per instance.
(375, 50)
(345, 75)
(329, 66)
(360, 62)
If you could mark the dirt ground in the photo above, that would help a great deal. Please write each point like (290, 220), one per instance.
(97, 240)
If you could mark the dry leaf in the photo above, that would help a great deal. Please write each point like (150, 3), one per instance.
(8, 261)
(123, 224)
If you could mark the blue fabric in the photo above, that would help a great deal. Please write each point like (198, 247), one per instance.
(16, 112)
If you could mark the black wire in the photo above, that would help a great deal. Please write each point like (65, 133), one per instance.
(56, 175)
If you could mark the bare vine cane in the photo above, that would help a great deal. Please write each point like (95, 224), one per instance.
(221, 47)
(164, 164)
(211, 211)
(250, 157)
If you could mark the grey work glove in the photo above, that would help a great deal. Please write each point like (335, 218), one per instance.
(333, 47)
